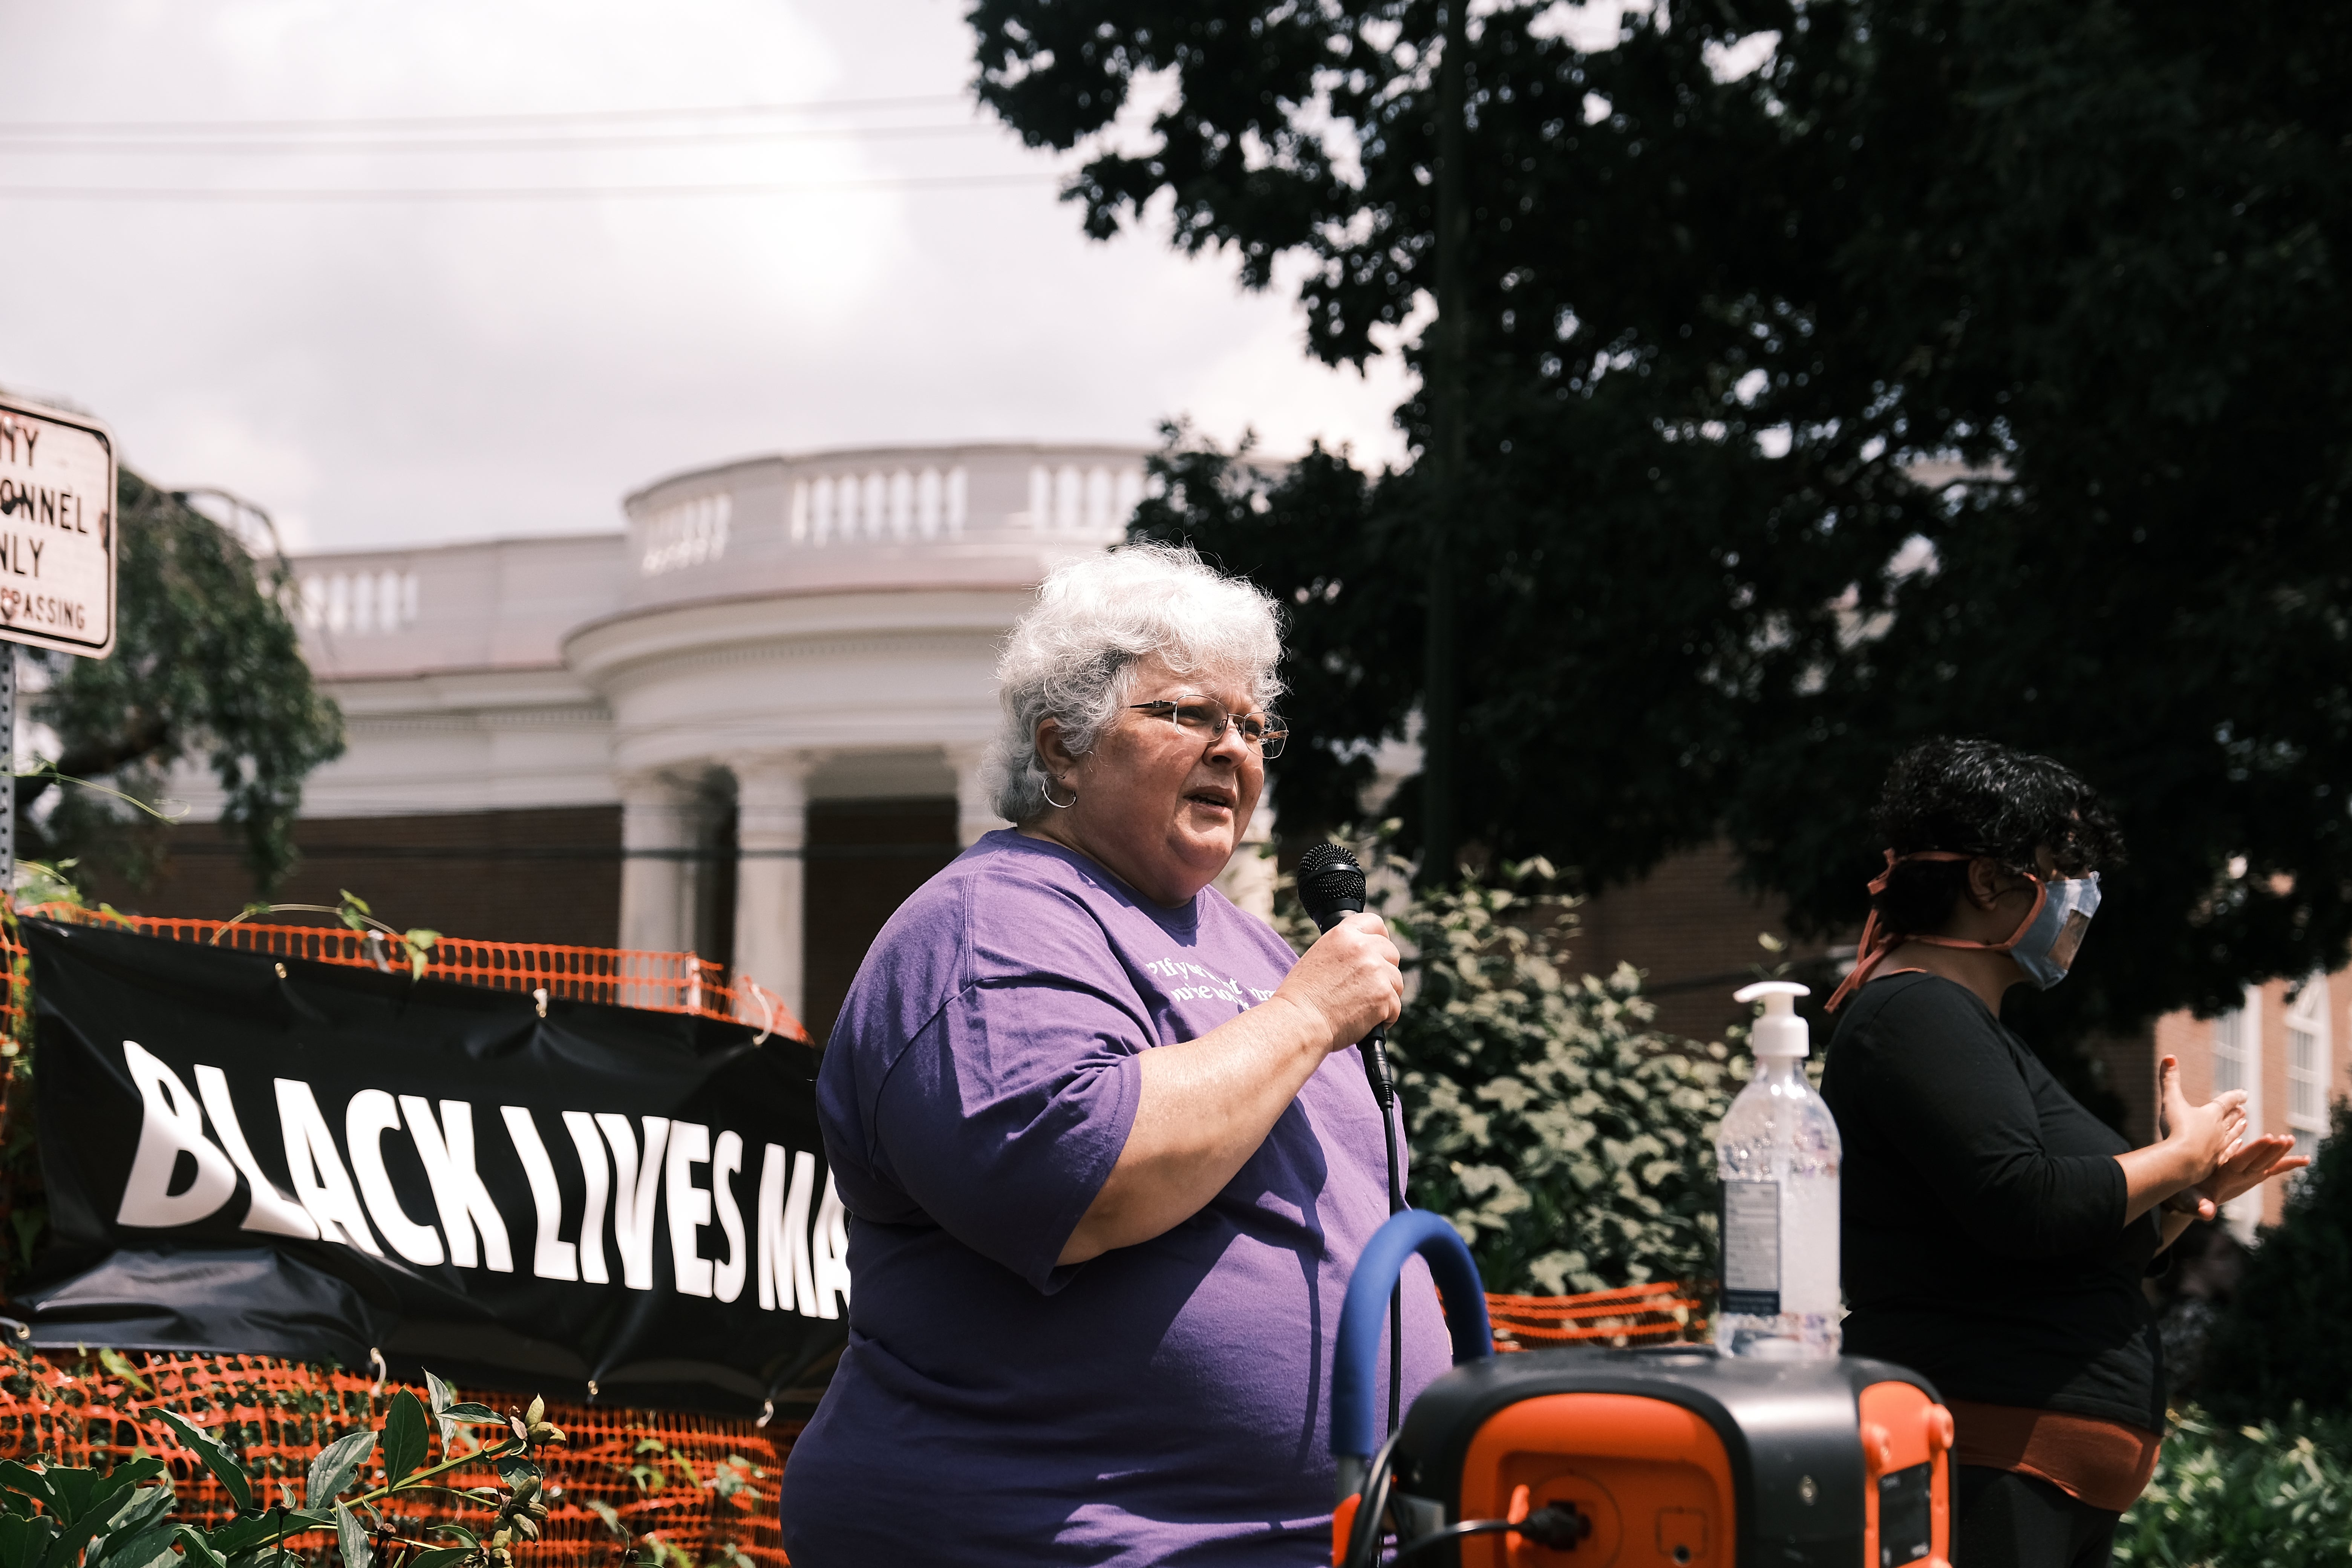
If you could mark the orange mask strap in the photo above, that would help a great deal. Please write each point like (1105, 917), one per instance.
(2041, 896)
(1878, 942)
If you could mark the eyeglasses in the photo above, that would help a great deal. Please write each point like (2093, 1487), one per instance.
(1206, 722)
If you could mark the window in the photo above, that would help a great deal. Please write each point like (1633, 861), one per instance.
(2238, 1064)
(2236, 1046)
(2307, 1065)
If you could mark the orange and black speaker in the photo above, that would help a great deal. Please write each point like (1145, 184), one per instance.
(1673, 1458)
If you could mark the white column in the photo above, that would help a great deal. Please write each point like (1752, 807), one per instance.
(770, 831)
(975, 812)
(658, 829)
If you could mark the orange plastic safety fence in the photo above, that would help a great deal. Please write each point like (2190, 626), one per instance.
(689, 1489)
(663, 982)
(1663, 1312)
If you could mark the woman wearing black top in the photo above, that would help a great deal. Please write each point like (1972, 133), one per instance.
(1995, 1233)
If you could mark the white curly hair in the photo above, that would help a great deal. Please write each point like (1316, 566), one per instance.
(1073, 657)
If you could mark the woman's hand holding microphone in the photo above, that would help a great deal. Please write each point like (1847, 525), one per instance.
(1349, 979)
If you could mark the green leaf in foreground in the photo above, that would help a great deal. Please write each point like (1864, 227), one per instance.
(23, 1541)
(224, 1465)
(337, 1463)
(407, 1436)
(31, 1483)
(145, 1507)
(351, 1537)
(239, 1535)
(443, 1397)
(198, 1552)
(473, 1415)
(150, 1548)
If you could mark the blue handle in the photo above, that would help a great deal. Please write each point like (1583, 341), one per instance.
(1366, 1314)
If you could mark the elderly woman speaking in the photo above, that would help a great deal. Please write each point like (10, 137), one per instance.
(1108, 1152)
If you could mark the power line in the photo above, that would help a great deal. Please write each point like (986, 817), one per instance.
(497, 144)
(462, 121)
(289, 193)
(501, 145)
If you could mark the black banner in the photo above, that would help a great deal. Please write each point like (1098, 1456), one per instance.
(246, 1153)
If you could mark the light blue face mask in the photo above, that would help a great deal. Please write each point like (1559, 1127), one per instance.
(2045, 945)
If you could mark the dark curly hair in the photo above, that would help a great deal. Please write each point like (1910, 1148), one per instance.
(1979, 797)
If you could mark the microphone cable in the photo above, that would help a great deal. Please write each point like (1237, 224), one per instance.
(1331, 888)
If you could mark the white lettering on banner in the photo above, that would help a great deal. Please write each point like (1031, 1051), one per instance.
(690, 1207)
(447, 1151)
(634, 1188)
(271, 1211)
(786, 1280)
(590, 1149)
(371, 1114)
(345, 1192)
(317, 1170)
(726, 1163)
(551, 1258)
(831, 1245)
(171, 1124)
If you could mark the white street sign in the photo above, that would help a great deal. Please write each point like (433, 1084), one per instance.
(56, 530)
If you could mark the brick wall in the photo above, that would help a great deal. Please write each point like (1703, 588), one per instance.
(551, 876)
(1692, 930)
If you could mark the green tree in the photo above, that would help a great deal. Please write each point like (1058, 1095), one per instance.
(2280, 1343)
(207, 665)
(1970, 366)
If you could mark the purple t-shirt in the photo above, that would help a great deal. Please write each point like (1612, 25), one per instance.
(1163, 1402)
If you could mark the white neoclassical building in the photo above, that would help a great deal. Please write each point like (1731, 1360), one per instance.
(745, 726)
(751, 721)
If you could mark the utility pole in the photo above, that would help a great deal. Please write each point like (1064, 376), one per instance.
(1449, 455)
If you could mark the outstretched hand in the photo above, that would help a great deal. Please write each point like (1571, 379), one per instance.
(2249, 1165)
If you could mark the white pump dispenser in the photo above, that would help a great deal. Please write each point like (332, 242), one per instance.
(1777, 1154)
(1780, 1032)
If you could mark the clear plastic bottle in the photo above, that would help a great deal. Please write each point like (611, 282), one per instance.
(1778, 1156)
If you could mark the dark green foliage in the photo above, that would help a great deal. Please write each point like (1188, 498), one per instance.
(2278, 1494)
(1975, 366)
(1572, 1145)
(1351, 662)
(2282, 1341)
(62, 1516)
(207, 665)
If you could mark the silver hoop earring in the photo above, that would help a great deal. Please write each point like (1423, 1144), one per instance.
(1047, 790)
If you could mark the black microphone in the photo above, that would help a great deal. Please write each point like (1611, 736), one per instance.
(1331, 887)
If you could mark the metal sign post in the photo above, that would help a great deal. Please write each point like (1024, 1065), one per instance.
(8, 767)
(57, 544)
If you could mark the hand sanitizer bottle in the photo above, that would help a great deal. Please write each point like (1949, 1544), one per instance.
(1778, 1156)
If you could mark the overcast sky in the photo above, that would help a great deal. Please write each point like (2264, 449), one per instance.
(388, 372)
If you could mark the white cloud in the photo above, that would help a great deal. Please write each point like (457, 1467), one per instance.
(388, 371)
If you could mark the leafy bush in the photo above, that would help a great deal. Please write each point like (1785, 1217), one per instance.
(1571, 1146)
(2282, 1338)
(2278, 1494)
(55, 1516)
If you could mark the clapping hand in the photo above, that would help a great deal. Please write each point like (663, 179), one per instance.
(2213, 1139)
(2206, 1134)
(2249, 1165)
